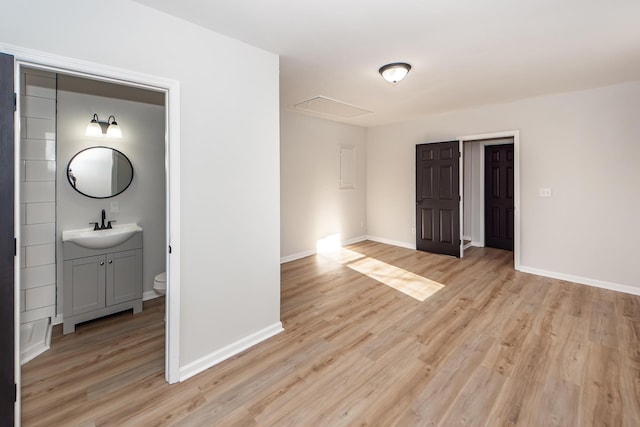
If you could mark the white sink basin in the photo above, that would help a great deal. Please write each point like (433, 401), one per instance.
(101, 239)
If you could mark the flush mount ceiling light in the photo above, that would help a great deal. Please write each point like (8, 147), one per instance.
(394, 72)
(98, 128)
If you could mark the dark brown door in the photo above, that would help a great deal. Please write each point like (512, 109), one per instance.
(498, 195)
(7, 242)
(438, 198)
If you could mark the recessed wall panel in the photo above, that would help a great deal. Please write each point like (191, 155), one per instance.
(426, 155)
(495, 218)
(446, 226)
(446, 183)
(427, 182)
(427, 224)
(495, 182)
(446, 153)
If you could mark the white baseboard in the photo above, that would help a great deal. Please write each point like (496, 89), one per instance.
(477, 244)
(582, 280)
(305, 254)
(299, 255)
(392, 242)
(354, 240)
(224, 353)
(540, 272)
(57, 320)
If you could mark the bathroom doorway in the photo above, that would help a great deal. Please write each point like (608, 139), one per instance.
(56, 108)
(69, 179)
(52, 63)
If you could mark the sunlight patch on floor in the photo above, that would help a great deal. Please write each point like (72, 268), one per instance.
(409, 283)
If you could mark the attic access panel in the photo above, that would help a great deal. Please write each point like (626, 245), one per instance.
(330, 107)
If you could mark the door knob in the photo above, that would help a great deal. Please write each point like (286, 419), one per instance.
(110, 261)
(101, 262)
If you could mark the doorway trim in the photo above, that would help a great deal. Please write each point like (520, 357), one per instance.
(515, 134)
(171, 89)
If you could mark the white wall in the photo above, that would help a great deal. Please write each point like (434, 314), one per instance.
(229, 148)
(141, 118)
(583, 145)
(312, 204)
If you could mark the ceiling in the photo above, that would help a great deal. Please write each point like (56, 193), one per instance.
(463, 52)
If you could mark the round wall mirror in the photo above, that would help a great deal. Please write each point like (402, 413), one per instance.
(100, 172)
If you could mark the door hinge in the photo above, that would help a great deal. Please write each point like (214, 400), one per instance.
(15, 247)
(15, 392)
(15, 101)
(169, 248)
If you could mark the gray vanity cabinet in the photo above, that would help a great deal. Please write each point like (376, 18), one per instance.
(124, 276)
(85, 280)
(99, 282)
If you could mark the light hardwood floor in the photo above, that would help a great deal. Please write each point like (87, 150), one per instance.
(493, 347)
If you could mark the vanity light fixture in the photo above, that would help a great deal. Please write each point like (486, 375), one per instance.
(113, 130)
(394, 72)
(98, 128)
(94, 128)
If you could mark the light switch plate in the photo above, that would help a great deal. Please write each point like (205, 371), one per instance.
(114, 207)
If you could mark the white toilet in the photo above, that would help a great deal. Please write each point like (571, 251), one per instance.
(160, 283)
(160, 286)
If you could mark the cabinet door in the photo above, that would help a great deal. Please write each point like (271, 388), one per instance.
(84, 285)
(124, 276)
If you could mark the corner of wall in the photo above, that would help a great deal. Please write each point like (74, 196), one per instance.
(209, 360)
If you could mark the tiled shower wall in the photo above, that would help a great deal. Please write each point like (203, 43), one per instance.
(38, 196)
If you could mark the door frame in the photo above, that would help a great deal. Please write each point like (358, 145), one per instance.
(10, 409)
(483, 140)
(171, 88)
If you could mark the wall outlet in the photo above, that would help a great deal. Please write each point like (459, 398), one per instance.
(544, 192)
(114, 207)
(413, 231)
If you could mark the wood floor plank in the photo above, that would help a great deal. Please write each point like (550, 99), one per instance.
(503, 356)
(604, 323)
(439, 394)
(516, 403)
(477, 398)
(492, 347)
(558, 404)
(601, 399)
(570, 362)
(386, 404)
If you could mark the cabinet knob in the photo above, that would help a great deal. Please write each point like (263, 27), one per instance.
(101, 262)
(110, 261)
